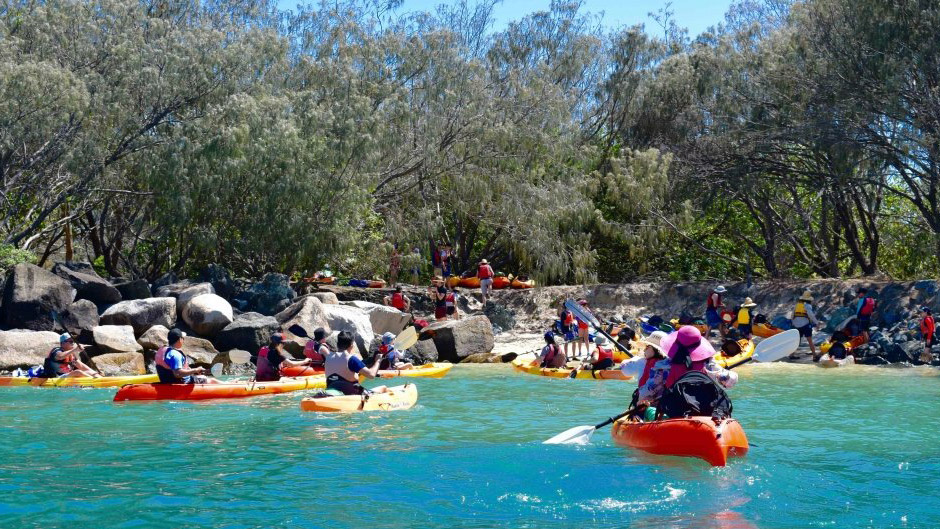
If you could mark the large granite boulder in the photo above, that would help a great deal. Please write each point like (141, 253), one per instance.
(134, 289)
(80, 318)
(115, 339)
(188, 294)
(328, 298)
(88, 284)
(220, 279)
(154, 338)
(458, 339)
(207, 314)
(352, 319)
(249, 332)
(383, 318)
(30, 295)
(173, 290)
(200, 351)
(119, 364)
(307, 313)
(423, 351)
(268, 297)
(142, 314)
(166, 279)
(21, 348)
(837, 317)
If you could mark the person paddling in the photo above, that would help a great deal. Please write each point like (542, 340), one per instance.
(641, 366)
(173, 366)
(272, 358)
(713, 304)
(927, 329)
(485, 275)
(345, 366)
(64, 361)
(392, 357)
(551, 356)
(398, 300)
(745, 317)
(317, 349)
(804, 320)
(602, 357)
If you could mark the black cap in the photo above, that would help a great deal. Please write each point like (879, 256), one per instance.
(277, 338)
(319, 334)
(174, 335)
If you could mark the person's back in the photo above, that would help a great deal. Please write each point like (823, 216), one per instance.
(267, 367)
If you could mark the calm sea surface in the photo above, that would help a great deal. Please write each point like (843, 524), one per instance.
(853, 447)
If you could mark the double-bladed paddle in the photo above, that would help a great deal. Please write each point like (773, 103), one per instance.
(587, 317)
(769, 350)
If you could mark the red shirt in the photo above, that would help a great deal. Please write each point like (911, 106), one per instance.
(485, 272)
(927, 326)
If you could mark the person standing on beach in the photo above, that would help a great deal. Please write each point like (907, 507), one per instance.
(438, 294)
(713, 305)
(804, 320)
(569, 329)
(398, 300)
(584, 336)
(745, 317)
(436, 266)
(485, 275)
(927, 330)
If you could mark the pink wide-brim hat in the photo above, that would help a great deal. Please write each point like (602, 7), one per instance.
(688, 336)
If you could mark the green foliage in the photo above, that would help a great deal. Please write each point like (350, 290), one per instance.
(11, 256)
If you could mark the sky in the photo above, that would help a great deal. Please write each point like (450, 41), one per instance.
(696, 15)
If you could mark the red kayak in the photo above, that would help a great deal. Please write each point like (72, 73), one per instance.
(698, 437)
(216, 391)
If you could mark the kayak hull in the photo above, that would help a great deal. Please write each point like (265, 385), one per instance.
(78, 382)
(216, 391)
(430, 370)
(765, 330)
(396, 398)
(849, 345)
(690, 437)
(501, 282)
(604, 374)
(747, 351)
(520, 285)
(469, 282)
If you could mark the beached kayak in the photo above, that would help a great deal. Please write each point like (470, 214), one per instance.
(828, 361)
(452, 281)
(216, 391)
(523, 364)
(396, 398)
(765, 330)
(702, 328)
(747, 351)
(430, 370)
(501, 282)
(520, 284)
(469, 282)
(692, 437)
(826, 346)
(78, 382)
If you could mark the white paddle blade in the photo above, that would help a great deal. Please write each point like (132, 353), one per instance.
(406, 339)
(216, 370)
(579, 435)
(237, 356)
(581, 314)
(777, 346)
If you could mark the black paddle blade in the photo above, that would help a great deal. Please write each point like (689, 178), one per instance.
(297, 330)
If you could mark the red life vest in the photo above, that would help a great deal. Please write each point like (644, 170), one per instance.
(315, 351)
(927, 326)
(485, 272)
(650, 362)
(677, 370)
(160, 358)
(398, 301)
(604, 353)
(569, 317)
(868, 307)
(264, 371)
(712, 304)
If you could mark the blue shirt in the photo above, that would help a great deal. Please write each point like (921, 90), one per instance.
(174, 360)
(355, 364)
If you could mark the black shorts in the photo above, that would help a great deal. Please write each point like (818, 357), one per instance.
(806, 331)
(606, 363)
(343, 385)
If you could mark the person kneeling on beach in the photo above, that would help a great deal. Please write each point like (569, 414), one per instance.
(173, 366)
(63, 361)
(344, 366)
(393, 358)
(272, 358)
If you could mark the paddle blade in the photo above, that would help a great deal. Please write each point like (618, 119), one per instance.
(580, 313)
(237, 356)
(579, 435)
(298, 331)
(216, 370)
(406, 339)
(777, 346)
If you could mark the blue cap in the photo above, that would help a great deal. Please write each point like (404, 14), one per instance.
(549, 335)
(387, 338)
(64, 338)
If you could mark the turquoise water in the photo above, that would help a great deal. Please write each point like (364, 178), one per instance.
(853, 447)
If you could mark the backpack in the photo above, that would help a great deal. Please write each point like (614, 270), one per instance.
(760, 318)
(868, 307)
(695, 395)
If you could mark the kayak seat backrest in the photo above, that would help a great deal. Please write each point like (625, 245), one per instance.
(760, 318)
(695, 395)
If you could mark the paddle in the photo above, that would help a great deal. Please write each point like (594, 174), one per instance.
(405, 339)
(587, 317)
(216, 370)
(769, 350)
(237, 356)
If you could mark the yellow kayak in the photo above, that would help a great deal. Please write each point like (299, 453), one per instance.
(747, 351)
(79, 382)
(429, 370)
(523, 364)
(396, 398)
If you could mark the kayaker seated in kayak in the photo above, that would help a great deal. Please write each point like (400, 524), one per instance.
(641, 365)
(64, 361)
(392, 358)
(317, 349)
(551, 356)
(398, 300)
(173, 366)
(345, 366)
(602, 357)
(272, 358)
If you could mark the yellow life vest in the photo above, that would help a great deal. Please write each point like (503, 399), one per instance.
(744, 317)
(800, 310)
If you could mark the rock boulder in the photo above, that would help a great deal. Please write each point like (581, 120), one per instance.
(200, 351)
(208, 314)
(328, 298)
(142, 314)
(220, 279)
(188, 294)
(119, 364)
(354, 320)
(172, 290)
(88, 285)
(80, 318)
(268, 297)
(308, 313)
(115, 339)
(154, 338)
(383, 319)
(25, 348)
(135, 289)
(249, 331)
(458, 339)
(30, 295)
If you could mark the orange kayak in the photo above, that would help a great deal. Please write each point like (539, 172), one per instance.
(216, 391)
(469, 282)
(501, 282)
(396, 398)
(691, 437)
(765, 330)
(518, 284)
(452, 281)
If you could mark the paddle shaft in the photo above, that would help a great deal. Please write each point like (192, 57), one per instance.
(612, 419)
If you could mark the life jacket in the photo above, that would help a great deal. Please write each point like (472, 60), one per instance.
(450, 299)
(484, 272)
(550, 357)
(567, 318)
(711, 302)
(800, 310)
(53, 367)
(676, 371)
(264, 371)
(316, 352)
(337, 363)
(744, 316)
(927, 326)
(398, 301)
(604, 353)
(650, 362)
(694, 394)
(163, 370)
(868, 307)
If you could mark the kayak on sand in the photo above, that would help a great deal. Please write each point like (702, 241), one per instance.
(216, 391)
(700, 437)
(747, 351)
(429, 370)
(765, 330)
(523, 364)
(396, 398)
(78, 382)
